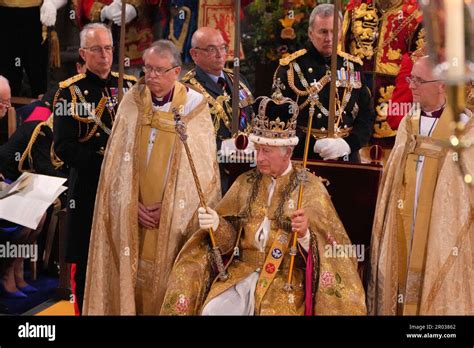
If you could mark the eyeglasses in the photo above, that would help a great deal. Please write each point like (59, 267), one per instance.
(212, 50)
(417, 80)
(6, 102)
(148, 69)
(98, 49)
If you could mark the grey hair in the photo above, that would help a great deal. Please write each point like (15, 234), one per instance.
(164, 47)
(284, 148)
(323, 11)
(93, 26)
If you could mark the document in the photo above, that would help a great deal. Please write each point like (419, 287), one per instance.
(25, 201)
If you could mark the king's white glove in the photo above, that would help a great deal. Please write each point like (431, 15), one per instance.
(111, 11)
(130, 14)
(49, 10)
(208, 218)
(332, 148)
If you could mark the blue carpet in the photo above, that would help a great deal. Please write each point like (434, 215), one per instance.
(46, 286)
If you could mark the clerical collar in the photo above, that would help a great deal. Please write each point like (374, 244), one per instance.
(435, 114)
(163, 100)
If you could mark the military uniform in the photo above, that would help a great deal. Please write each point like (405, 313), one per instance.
(220, 105)
(380, 38)
(84, 112)
(29, 149)
(23, 48)
(307, 72)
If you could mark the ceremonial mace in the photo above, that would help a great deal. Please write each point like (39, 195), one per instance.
(332, 90)
(121, 51)
(294, 237)
(332, 111)
(181, 131)
(236, 68)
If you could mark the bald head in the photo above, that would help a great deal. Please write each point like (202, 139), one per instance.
(209, 50)
(200, 35)
(5, 96)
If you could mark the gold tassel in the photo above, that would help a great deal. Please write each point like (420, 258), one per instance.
(44, 34)
(54, 53)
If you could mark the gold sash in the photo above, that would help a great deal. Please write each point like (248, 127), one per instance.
(152, 182)
(412, 249)
(270, 268)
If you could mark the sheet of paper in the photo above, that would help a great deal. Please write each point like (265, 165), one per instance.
(29, 197)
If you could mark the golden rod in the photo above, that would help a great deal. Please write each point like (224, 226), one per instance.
(181, 131)
(288, 285)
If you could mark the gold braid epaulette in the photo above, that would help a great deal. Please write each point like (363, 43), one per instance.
(288, 59)
(189, 75)
(350, 57)
(71, 80)
(125, 76)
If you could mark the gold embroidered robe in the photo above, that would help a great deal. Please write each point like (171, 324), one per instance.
(433, 274)
(117, 240)
(336, 284)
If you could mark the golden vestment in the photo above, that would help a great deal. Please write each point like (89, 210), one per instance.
(431, 271)
(336, 287)
(129, 265)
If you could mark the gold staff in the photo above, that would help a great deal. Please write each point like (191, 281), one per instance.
(121, 52)
(293, 250)
(332, 112)
(181, 130)
(332, 90)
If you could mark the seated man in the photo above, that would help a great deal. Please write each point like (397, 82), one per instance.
(209, 52)
(12, 283)
(29, 149)
(253, 224)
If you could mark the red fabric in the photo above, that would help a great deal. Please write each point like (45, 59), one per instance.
(86, 6)
(308, 301)
(40, 113)
(73, 289)
(401, 93)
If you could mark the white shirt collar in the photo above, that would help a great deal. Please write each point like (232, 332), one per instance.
(287, 170)
(214, 77)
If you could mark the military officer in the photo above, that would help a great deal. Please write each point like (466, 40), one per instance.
(209, 52)
(84, 112)
(306, 73)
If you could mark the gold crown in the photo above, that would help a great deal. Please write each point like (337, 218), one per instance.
(280, 124)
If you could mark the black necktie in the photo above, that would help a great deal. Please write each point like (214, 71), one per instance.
(222, 84)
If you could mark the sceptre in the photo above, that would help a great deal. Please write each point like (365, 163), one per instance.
(181, 131)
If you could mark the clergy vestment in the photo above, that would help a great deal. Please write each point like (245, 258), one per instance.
(129, 265)
(422, 256)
